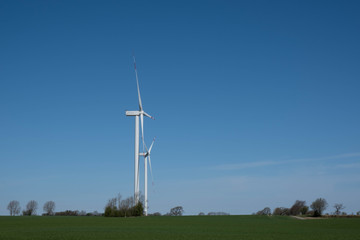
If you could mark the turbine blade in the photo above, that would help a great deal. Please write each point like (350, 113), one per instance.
(137, 84)
(152, 178)
(142, 132)
(149, 116)
(151, 145)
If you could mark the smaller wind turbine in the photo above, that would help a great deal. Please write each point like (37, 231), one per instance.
(147, 159)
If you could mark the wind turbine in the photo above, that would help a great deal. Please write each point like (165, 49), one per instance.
(146, 160)
(140, 113)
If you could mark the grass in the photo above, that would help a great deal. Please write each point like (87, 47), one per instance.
(187, 227)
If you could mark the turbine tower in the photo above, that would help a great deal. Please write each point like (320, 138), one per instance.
(140, 113)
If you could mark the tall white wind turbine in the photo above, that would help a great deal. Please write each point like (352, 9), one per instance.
(140, 113)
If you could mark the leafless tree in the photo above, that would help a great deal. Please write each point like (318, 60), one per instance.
(338, 207)
(111, 203)
(125, 204)
(31, 208)
(14, 208)
(132, 201)
(319, 206)
(49, 208)
(118, 199)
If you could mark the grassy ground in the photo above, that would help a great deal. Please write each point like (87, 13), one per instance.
(187, 227)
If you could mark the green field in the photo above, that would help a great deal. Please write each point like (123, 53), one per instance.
(187, 227)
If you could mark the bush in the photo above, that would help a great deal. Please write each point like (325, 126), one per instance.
(26, 212)
(67, 213)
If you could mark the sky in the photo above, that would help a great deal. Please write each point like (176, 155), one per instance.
(256, 103)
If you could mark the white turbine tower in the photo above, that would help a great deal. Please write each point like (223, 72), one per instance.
(146, 154)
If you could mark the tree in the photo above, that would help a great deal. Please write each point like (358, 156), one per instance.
(338, 207)
(177, 211)
(31, 208)
(277, 211)
(14, 208)
(49, 208)
(201, 214)
(304, 210)
(111, 203)
(265, 211)
(281, 211)
(138, 209)
(296, 208)
(319, 206)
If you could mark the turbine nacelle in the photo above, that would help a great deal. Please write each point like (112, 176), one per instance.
(148, 151)
(132, 113)
(138, 113)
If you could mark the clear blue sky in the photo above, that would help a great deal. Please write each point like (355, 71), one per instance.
(256, 102)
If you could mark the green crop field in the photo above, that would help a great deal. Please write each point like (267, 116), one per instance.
(186, 227)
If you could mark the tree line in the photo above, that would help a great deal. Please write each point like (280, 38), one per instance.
(48, 208)
(31, 208)
(316, 209)
(115, 207)
(118, 207)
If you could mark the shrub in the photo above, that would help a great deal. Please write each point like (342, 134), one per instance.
(67, 213)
